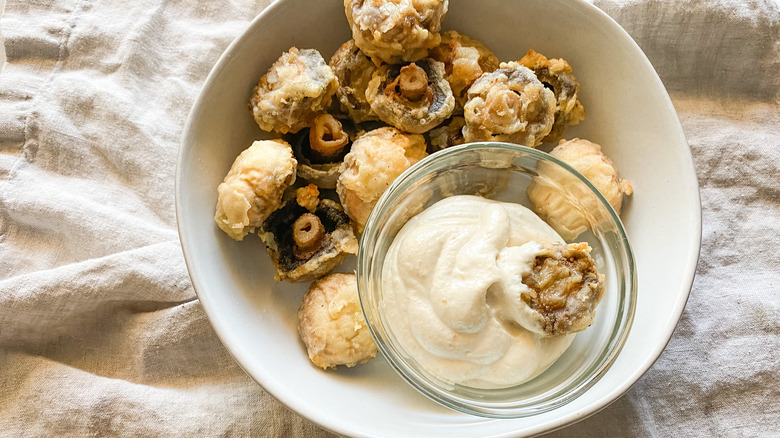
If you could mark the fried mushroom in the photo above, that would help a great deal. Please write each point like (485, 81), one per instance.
(320, 150)
(413, 97)
(297, 87)
(557, 75)
(446, 135)
(331, 323)
(465, 60)
(254, 187)
(353, 70)
(375, 160)
(563, 289)
(394, 31)
(307, 241)
(553, 193)
(509, 104)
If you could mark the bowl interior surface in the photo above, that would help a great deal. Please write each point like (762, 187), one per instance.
(502, 172)
(628, 112)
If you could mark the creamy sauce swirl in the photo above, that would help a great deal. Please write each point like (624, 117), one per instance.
(452, 292)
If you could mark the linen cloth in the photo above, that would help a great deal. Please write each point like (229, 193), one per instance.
(101, 333)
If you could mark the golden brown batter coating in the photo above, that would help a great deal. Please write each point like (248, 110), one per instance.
(254, 186)
(465, 60)
(589, 160)
(331, 323)
(564, 289)
(353, 70)
(393, 31)
(297, 87)
(511, 105)
(551, 195)
(557, 74)
(413, 97)
(375, 160)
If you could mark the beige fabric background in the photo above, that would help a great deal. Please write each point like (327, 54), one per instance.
(100, 330)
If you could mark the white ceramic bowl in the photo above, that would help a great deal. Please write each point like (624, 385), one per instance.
(628, 112)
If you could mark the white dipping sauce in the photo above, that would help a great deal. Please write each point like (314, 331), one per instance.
(451, 292)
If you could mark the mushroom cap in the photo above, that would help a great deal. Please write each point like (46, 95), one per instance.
(465, 60)
(415, 116)
(563, 201)
(449, 133)
(557, 74)
(353, 70)
(509, 104)
(297, 87)
(593, 164)
(375, 160)
(393, 31)
(339, 241)
(254, 187)
(331, 323)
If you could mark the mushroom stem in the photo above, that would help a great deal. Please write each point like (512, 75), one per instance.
(413, 81)
(307, 233)
(326, 135)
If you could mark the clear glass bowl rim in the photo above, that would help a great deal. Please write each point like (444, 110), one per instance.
(508, 409)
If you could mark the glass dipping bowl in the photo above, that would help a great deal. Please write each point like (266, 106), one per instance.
(503, 172)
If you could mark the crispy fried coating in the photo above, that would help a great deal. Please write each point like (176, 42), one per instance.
(571, 214)
(375, 160)
(254, 187)
(511, 105)
(353, 70)
(557, 74)
(392, 31)
(564, 289)
(331, 323)
(465, 59)
(297, 87)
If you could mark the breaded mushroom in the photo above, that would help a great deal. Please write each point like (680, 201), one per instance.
(254, 187)
(375, 160)
(353, 70)
(331, 323)
(297, 87)
(465, 59)
(320, 150)
(571, 214)
(307, 237)
(413, 97)
(393, 31)
(557, 74)
(563, 290)
(509, 104)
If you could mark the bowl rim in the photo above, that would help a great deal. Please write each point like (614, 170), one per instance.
(365, 259)
(275, 388)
